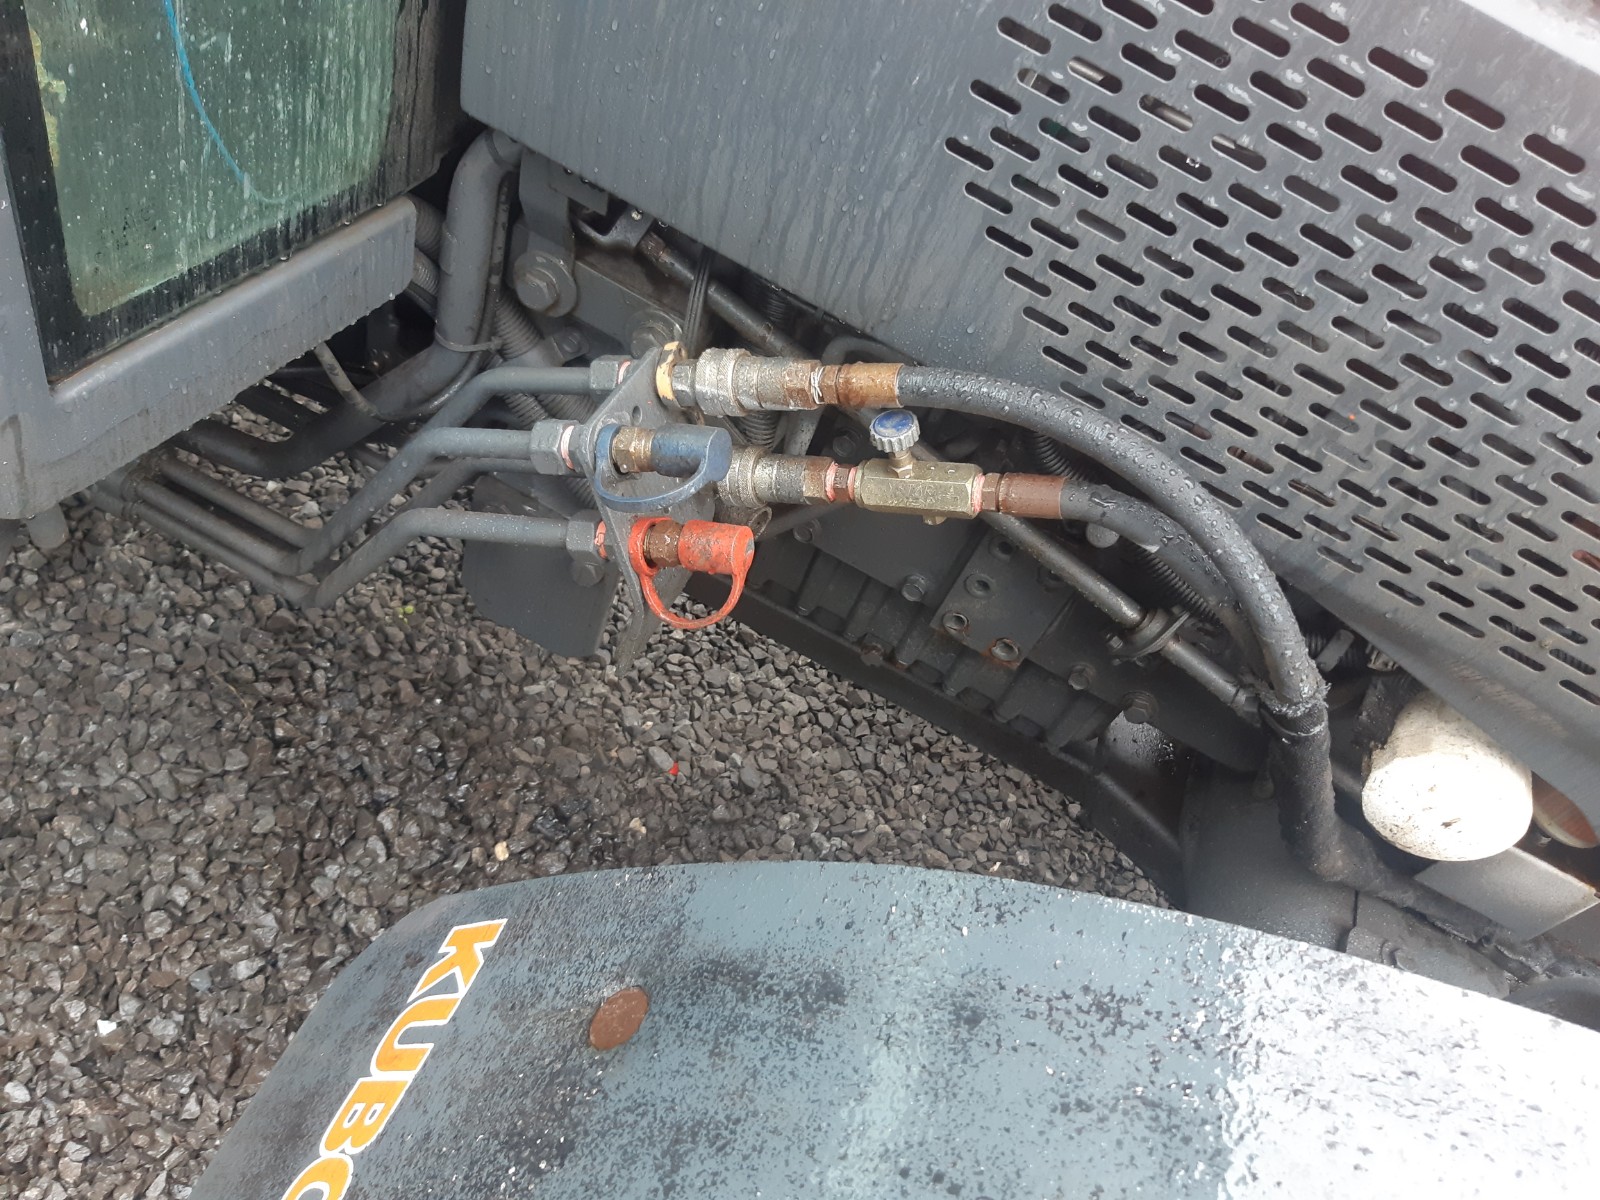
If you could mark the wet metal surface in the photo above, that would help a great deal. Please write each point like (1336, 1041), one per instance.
(618, 1018)
(864, 1031)
(1339, 259)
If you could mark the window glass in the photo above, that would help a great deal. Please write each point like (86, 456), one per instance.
(177, 129)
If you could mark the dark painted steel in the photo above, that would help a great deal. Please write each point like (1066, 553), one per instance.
(844, 1030)
(58, 439)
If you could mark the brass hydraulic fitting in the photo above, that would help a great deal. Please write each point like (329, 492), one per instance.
(733, 383)
(933, 490)
(631, 448)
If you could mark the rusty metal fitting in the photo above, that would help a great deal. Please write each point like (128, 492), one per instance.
(631, 448)
(732, 383)
(860, 385)
(757, 478)
(933, 490)
(1023, 495)
(659, 544)
(705, 546)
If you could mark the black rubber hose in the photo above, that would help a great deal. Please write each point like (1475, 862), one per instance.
(1296, 710)
(1168, 544)
(322, 437)
(1296, 683)
(471, 230)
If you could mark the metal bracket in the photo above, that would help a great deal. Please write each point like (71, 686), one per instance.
(1149, 636)
(634, 402)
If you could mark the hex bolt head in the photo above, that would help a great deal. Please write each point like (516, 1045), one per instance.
(571, 344)
(914, 589)
(537, 288)
(1138, 708)
(1080, 677)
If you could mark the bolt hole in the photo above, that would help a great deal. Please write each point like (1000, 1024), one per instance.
(1005, 650)
(637, 414)
(955, 622)
(980, 585)
(1004, 549)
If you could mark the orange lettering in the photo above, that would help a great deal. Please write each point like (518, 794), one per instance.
(391, 1058)
(370, 1104)
(325, 1179)
(363, 1115)
(463, 955)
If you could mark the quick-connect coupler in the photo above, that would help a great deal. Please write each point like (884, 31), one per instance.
(735, 383)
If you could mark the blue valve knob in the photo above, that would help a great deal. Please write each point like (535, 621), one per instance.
(894, 431)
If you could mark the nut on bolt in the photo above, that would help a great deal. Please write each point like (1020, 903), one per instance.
(550, 447)
(1139, 708)
(915, 588)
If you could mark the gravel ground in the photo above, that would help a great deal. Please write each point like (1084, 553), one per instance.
(209, 803)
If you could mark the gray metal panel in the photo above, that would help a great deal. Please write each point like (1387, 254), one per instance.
(1333, 266)
(55, 442)
(880, 1031)
(1525, 894)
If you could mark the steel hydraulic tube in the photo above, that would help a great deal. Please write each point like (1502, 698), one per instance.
(471, 452)
(466, 251)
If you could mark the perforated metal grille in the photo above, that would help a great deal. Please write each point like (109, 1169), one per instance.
(1357, 297)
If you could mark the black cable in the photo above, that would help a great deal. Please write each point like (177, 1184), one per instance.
(694, 316)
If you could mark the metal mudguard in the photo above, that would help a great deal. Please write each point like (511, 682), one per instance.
(879, 1031)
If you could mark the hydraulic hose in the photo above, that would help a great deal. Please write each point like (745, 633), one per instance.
(456, 286)
(1168, 545)
(325, 435)
(1296, 710)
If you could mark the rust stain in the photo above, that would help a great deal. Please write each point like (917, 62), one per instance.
(1023, 495)
(618, 1018)
(860, 385)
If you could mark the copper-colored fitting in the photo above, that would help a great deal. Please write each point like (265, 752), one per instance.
(860, 385)
(671, 355)
(661, 543)
(1023, 495)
